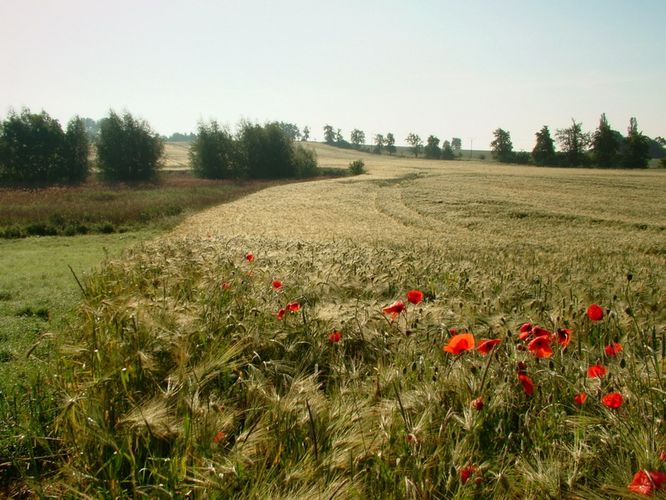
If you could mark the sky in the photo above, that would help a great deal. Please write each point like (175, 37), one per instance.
(449, 68)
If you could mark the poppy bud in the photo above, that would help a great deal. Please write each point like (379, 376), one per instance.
(630, 276)
(478, 403)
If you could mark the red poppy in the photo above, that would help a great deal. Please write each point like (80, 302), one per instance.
(411, 438)
(540, 346)
(460, 343)
(539, 331)
(335, 337)
(281, 313)
(613, 349)
(415, 296)
(595, 313)
(580, 399)
(613, 400)
(662, 456)
(525, 331)
(478, 403)
(647, 482)
(485, 346)
(564, 336)
(467, 472)
(219, 437)
(528, 384)
(453, 331)
(596, 371)
(521, 367)
(249, 256)
(395, 309)
(277, 284)
(294, 307)
(226, 285)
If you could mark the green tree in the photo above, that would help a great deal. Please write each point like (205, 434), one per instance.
(447, 151)
(76, 165)
(501, 146)
(390, 143)
(636, 153)
(357, 138)
(291, 130)
(456, 145)
(432, 150)
(605, 144)
(266, 151)
(379, 144)
(329, 134)
(544, 149)
(573, 143)
(306, 134)
(127, 149)
(415, 142)
(214, 154)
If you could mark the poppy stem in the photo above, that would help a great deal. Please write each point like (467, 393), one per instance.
(312, 430)
(485, 370)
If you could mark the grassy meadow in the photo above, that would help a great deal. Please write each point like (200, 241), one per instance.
(257, 350)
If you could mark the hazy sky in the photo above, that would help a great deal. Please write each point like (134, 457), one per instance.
(449, 68)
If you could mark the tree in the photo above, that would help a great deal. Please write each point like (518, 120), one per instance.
(432, 149)
(214, 154)
(357, 138)
(290, 130)
(390, 143)
(456, 145)
(447, 151)
(306, 134)
(501, 146)
(379, 144)
(605, 144)
(34, 149)
(266, 151)
(573, 143)
(636, 154)
(329, 134)
(415, 142)
(544, 149)
(127, 149)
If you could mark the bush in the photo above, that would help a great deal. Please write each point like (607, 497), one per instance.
(267, 152)
(35, 150)
(214, 154)
(305, 161)
(357, 167)
(127, 149)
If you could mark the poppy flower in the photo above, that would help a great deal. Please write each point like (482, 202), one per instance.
(249, 256)
(277, 284)
(580, 399)
(415, 296)
(521, 367)
(294, 307)
(595, 313)
(226, 285)
(219, 437)
(485, 346)
(647, 482)
(540, 346)
(563, 336)
(613, 349)
(467, 472)
(281, 313)
(453, 331)
(460, 343)
(411, 438)
(478, 403)
(525, 331)
(335, 337)
(613, 400)
(596, 371)
(395, 309)
(528, 384)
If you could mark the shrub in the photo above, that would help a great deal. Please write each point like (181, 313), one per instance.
(267, 152)
(214, 154)
(357, 167)
(127, 149)
(305, 161)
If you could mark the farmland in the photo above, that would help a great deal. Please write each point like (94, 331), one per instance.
(178, 375)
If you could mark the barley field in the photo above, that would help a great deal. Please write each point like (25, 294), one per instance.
(327, 340)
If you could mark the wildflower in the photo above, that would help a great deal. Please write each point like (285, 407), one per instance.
(563, 336)
(467, 472)
(521, 367)
(613, 400)
(395, 309)
(478, 403)
(226, 285)
(613, 349)
(281, 313)
(596, 371)
(540, 346)
(647, 482)
(453, 331)
(580, 399)
(460, 343)
(249, 256)
(525, 331)
(485, 346)
(219, 437)
(411, 438)
(595, 313)
(277, 284)
(415, 296)
(294, 307)
(528, 384)
(335, 337)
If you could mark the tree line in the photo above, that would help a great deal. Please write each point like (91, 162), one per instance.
(604, 147)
